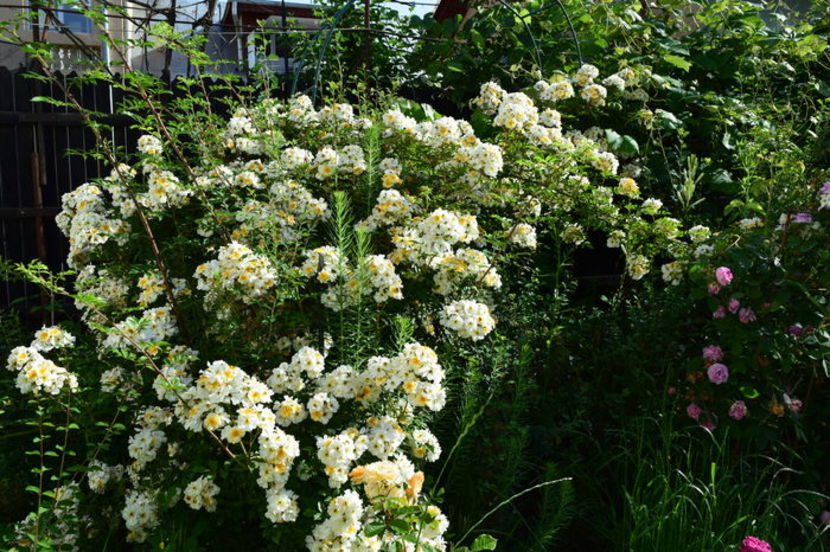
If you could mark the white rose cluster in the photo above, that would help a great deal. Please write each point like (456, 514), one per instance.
(451, 269)
(524, 235)
(101, 474)
(144, 446)
(164, 191)
(109, 290)
(52, 337)
(469, 319)
(150, 145)
(375, 273)
(340, 529)
(383, 278)
(140, 514)
(85, 220)
(157, 324)
(225, 399)
(431, 236)
(474, 158)
(201, 494)
(673, 272)
(152, 287)
(65, 524)
(237, 267)
(36, 373)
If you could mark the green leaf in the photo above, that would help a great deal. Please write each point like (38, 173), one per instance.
(622, 144)
(48, 100)
(720, 180)
(677, 61)
(726, 141)
(749, 392)
(399, 526)
(374, 529)
(667, 120)
(483, 542)
(477, 39)
(455, 66)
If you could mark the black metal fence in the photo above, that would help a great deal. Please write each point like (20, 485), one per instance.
(36, 169)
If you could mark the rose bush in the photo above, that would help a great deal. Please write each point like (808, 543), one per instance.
(262, 297)
(768, 321)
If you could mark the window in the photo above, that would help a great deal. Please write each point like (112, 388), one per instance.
(68, 17)
(73, 20)
(273, 50)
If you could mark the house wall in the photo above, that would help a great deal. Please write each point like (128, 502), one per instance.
(151, 61)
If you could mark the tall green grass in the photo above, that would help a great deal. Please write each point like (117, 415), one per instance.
(692, 490)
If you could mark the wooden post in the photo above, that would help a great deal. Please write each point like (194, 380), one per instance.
(38, 165)
(37, 200)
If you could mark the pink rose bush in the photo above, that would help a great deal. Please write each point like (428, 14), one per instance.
(761, 352)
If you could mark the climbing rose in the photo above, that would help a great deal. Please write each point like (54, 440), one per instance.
(712, 353)
(746, 315)
(723, 275)
(718, 373)
(738, 410)
(694, 411)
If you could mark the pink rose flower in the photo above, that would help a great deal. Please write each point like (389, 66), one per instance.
(825, 515)
(738, 410)
(672, 391)
(733, 305)
(694, 411)
(718, 373)
(709, 424)
(793, 404)
(719, 312)
(754, 544)
(746, 315)
(714, 289)
(712, 353)
(723, 275)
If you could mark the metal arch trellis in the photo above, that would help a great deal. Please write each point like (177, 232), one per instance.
(537, 54)
(567, 16)
(330, 28)
(324, 47)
